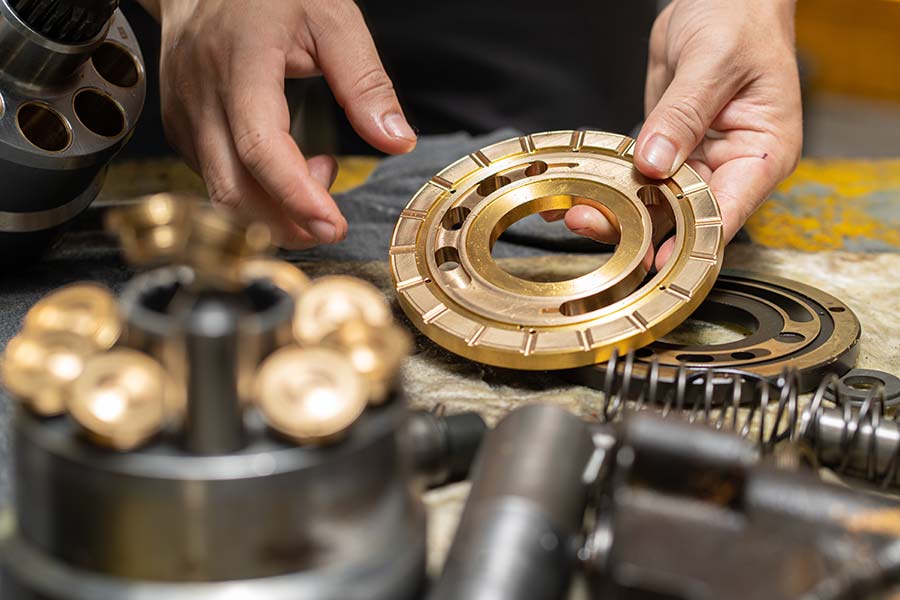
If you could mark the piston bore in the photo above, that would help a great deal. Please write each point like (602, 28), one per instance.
(67, 106)
(451, 288)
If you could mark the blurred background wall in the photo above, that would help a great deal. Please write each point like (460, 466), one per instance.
(850, 59)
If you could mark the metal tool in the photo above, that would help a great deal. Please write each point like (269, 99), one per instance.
(523, 517)
(452, 290)
(783, 325)
(689, 513)
(72, 87)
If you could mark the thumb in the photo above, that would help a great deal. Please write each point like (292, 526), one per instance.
(678, 123)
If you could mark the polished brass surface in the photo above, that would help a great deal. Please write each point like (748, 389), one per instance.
(153, 229)
(310, 395)
(280, 273)
(120, 398)
(39, 367)
(217, 245)
(375, 352)
(452, 289)
(171, 228)
(85, 309)
(332, 301)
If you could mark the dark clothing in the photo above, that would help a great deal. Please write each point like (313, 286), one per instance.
(479, 65)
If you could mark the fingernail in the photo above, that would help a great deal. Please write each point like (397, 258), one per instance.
(396, 126)
(661, 153)
(324, 231)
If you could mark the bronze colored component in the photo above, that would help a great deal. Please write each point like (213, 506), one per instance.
(153, 230)
(280, 273)
(170, 228)
(780, 324)
(85, 309)
(310, 395)
(335, 300)
(375, 352)
(217, 245)
(453, 291)
(120, 398)
(40, 366)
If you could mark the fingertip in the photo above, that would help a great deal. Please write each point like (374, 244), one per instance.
(324, 169)
(664, 253)
(656, 156)
(588, 221)
(396, 135)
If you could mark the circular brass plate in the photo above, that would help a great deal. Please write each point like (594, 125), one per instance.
(452, 290)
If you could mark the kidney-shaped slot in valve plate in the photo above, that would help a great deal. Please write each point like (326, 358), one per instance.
(452, 289)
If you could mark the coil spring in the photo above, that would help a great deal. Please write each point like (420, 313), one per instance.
(858, 440)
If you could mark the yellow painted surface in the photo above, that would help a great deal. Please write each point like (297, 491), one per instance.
(353, 172)
(833, 204)
(851, 46)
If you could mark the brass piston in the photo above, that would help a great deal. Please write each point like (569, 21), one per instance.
(452, 289)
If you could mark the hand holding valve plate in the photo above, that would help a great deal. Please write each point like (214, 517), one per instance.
(451, 288)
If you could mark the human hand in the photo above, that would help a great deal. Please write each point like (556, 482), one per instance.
(223, 68)
(723, 94)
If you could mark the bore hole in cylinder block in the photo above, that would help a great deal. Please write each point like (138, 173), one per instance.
(455, 217)
(99, 113)
(492, 184)
(116, 65)
(43, 127)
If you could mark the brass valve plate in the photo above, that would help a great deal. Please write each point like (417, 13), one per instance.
(452, 289)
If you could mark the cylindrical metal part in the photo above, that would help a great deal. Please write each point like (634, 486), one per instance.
(273, 521)
(65, 111)
(517, 535)
(673, 454)
(152, 326)
(867, 446)
(442, 449)
(214, 421)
